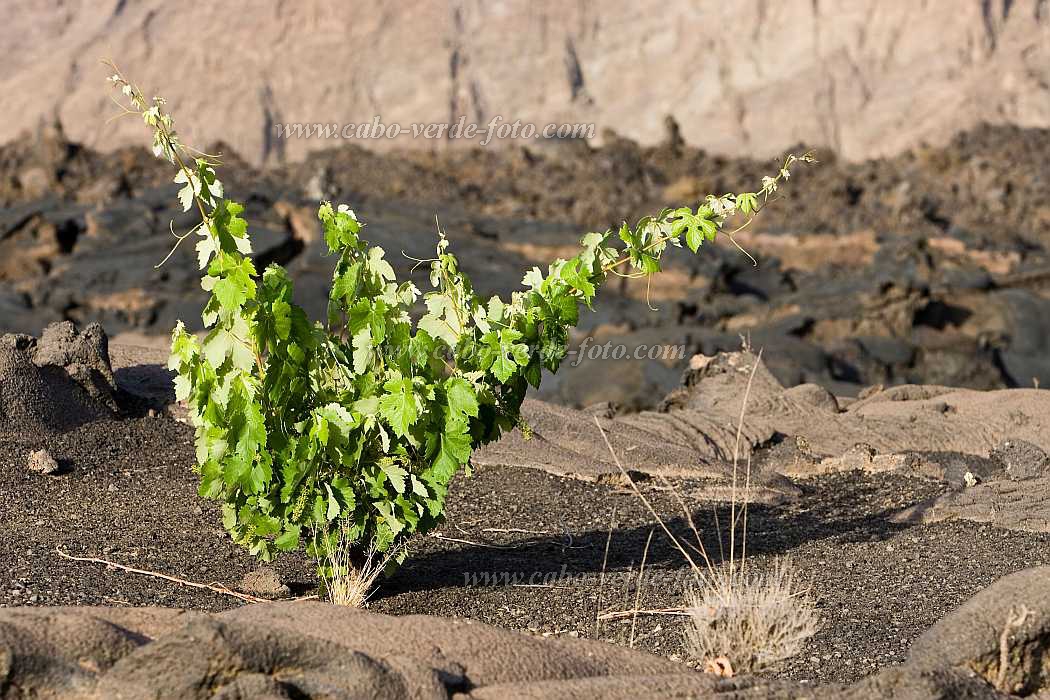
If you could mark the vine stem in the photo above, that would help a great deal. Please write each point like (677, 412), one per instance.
(174, 148)
(766, 190)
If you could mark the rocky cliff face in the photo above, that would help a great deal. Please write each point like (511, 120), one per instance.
(864, 77)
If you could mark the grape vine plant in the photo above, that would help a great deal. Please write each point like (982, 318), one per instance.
(350, 429)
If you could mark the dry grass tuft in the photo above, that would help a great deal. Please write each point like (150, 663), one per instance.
(351, 587)
(742, 621)
(753, 619)
(346, 582)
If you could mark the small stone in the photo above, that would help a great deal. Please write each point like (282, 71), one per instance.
(264, 583)
(42, 462)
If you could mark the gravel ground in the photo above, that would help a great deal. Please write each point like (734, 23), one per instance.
(521, 549)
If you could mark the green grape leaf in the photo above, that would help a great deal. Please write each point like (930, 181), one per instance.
(386, 511)
(230, 293)
(399, 405)
(578, 278)
(288, 541)
(183, 387)
(282, 318)
(418, 487)
(462, 398)
(501, 354)
(333, 509)
(343, 491)
(362, 349)
(395, 474)
(378, 266)
(453, 451)
(747, 202)
(344, 288)
(205, 250)
(442, 319)
(191, 187)
(533, 279)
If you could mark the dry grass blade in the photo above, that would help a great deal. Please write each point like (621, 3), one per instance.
(736, 461)
(648, 505)
(516, 530)
(638, 588)
(601, 579)
(699, 548)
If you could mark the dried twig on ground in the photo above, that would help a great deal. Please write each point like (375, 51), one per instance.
(214, 587)
(621, 614)
(474, 544)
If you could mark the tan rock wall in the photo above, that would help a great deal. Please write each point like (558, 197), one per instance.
(867, 77)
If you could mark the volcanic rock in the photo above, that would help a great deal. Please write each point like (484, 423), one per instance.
(55, 383)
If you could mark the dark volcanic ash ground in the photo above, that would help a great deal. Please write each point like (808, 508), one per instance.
(930, 267)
